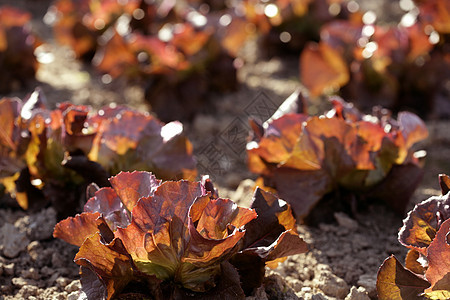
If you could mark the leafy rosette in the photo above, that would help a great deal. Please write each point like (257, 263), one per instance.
(62, 150)
(11, 148)
(171, 48)
(15, 142)
(17, 61)
(374, 63)
(79, 24)
(175, 239)
(426, 273)
(129, 140)
(305, 158)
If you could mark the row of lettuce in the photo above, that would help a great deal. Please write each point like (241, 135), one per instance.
(179, 238)
(180, 51)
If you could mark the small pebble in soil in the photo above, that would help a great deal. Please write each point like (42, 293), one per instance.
(30, 273)
(357, 294)
(13, 240)
(345, 221)
(369, 282)
(332, 285)
(9, 269)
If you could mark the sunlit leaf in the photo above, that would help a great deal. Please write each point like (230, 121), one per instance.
(394, 282)
(436, 13)
(438, 256)
(322, 69)
(75, 230)
(420, 226)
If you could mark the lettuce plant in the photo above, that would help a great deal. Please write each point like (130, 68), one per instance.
(61, 150)
(342, 154)
(425, 232)
(172, 49)
(17, 61)
(392, 65)
(176, 239)
(287, 26)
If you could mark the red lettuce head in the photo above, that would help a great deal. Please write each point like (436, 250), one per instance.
(175, 233)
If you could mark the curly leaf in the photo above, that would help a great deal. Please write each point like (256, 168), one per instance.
(130, 187)
(394, 282)
(75, 230)
(113, 210)
(420, 226)
(279, 138)
(438, 256)
(137, 141)
(111, 263)
(322, 68)
(268, 238)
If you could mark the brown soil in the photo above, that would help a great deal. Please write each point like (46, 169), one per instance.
(344, 256)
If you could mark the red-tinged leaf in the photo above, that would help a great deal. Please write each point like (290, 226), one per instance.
(268, 238)
(227, 212)
(18, 62)
(11, 16)
(331, 144)
(112, 209)
(394, 282)
(412, 128)
(251, 269)
(188, 40)
(344, 110)
(392, 43)
(303, 190)
(163, 57)
(91, 285)
(438, 256)
(322, 69)
(130, 187)
(160, 222)
(436, 13)
(115, 57)
(279, 138)
(75, 230)
(9, 111)
(339, 34)
(120, 134)
(111, 263)
(274, 218)
(412, 263)
(137, 141)
(204, 252)
(420, 226)
(289, 243)
(174, 158)
(77, 135)
(69, 28)
(444, 182)
(419, 42)
(11, 141)
(234, 37)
